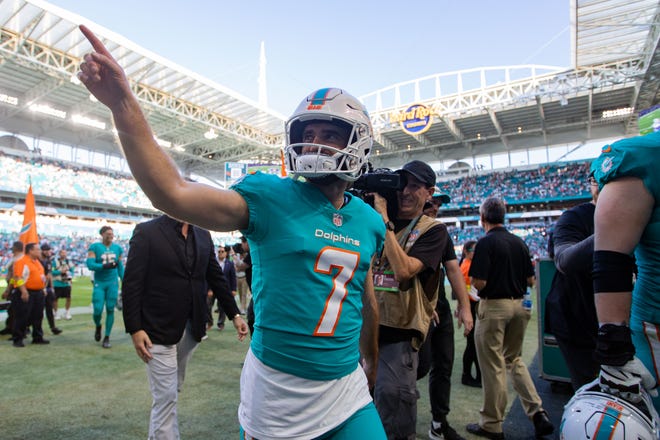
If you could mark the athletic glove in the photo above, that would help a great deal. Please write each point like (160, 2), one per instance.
(621, 373)
(110, 265)
(627, 380)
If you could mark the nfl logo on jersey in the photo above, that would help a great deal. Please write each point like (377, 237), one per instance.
(337, 220)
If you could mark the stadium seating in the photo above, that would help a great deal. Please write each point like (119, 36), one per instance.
(554, 182)
(61, 180)
(75, 245)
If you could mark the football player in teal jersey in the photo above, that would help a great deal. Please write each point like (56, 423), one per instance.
(627, 220)
(314, 350)
(104, 259)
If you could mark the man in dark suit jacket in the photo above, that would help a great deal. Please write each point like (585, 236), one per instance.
(170, 266)
(229, 270)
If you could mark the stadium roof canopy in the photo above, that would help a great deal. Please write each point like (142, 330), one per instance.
(615, 73)
(201, 122)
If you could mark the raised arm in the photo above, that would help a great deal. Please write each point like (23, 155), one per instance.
(153, 169)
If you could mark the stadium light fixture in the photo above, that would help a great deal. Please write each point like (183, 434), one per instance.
(617, 113)
(211, 134)
(7, 99)
(84, 120)
(48, 110)
(163, 143)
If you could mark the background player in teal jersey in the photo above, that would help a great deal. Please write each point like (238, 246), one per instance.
(311, 243)
(627, 219)
(104, 258)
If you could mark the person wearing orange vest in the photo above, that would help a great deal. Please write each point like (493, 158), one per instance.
(30, 280)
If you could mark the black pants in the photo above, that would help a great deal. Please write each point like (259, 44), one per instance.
(221, 313)
(48, 307)
(442, 361)
(19, 312)
(9, 322)
(28, 313)
(580, 362)
(470, 353)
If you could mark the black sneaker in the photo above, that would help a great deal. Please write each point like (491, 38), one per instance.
(542, 424)
(97, 333)
(476, 429)
(469, 381)
(18, 344)
(445, 432)
(40, 341)
(106, 342)
(55, 331)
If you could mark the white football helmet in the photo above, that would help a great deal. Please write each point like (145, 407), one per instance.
(592, 414)
(338, 107)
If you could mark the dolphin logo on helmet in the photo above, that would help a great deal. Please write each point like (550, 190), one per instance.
(593, 414)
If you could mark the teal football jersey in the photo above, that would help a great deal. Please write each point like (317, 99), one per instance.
(309, 265)
(639, 157)
(105, 255)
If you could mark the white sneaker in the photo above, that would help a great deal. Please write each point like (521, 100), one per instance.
(57, 315)
(68, 316)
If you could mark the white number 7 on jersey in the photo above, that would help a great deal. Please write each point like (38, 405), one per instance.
(346, 262)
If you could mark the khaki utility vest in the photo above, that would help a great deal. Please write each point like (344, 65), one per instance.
(410, 308)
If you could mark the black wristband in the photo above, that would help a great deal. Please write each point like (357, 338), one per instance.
(614, 345)
(612, 272)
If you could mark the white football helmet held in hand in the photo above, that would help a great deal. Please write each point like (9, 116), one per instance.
(592, 414)
(337, 107)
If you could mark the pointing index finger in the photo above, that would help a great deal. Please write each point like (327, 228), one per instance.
(95, 42)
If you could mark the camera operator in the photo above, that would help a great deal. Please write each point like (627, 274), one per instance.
(62, 272)
(406, 278)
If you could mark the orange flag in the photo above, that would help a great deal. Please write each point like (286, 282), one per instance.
(283, 168)
(28, 232)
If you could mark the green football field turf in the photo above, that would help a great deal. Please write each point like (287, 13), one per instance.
(74, 389)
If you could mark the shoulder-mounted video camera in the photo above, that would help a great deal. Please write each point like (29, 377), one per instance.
(383, 181)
